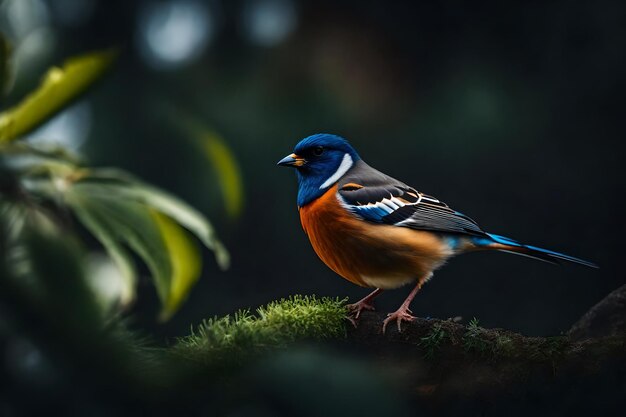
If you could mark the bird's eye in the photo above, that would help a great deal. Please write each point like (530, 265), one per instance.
(318, 150)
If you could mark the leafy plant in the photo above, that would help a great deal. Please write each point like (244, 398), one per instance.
(47, 187)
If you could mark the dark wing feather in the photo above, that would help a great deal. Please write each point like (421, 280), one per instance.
(379, 198)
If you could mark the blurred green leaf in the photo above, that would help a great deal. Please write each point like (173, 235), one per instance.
(58, 88)
(125, 222)
(227, 169)
(51, 151)
(121, 211)
(103, 231)
(58, 270)
(221, 157)
(188, 217)
(185, 261)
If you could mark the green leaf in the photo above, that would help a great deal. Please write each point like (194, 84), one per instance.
(102, 229)
(227, 169)
(130, 187)
(58, 88)
(43, 151)
(185, 260)
(221, 158)
(129, 222)
(120, 213)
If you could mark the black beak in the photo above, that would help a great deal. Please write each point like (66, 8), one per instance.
(292, 160)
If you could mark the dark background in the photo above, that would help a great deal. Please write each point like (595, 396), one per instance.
(510, 112)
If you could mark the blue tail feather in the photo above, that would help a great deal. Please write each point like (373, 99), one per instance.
(531, 251)
(504, 240)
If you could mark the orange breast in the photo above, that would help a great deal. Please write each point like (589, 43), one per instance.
(369, 254)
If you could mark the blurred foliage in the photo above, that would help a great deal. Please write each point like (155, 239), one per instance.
(61, 340)
(226, 168)
(275, 325)
(42, 186)
(120, 210)
(218, 154)
(186, 263)
(58, 88)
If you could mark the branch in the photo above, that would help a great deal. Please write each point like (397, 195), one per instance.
(442, 359)
(446, 339)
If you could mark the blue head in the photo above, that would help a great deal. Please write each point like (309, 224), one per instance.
(320, 161)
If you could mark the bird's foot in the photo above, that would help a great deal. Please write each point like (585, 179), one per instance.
(402, 314)
(354, 310)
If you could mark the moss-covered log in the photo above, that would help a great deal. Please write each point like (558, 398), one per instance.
(437, 359)
(444, 359)
(431, 341)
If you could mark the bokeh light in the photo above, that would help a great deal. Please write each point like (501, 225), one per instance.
(106, 281)
(70, 128)
(26, 363)
(21, 17)
(173, 33)
(268, 22)
(26, 23)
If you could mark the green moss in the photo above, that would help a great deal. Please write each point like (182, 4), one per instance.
(504, 346)
(552, 348)
(431, 342)
(274, 325)
(474, 339)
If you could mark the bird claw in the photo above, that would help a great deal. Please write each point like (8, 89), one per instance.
(354, 310)
(403, 314)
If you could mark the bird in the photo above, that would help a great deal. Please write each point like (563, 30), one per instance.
(376, 231)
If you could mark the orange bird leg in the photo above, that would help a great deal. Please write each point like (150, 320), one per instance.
(363, 304)
(403, 313)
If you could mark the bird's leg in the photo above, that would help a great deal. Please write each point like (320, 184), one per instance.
(364, 304)
(403, 313)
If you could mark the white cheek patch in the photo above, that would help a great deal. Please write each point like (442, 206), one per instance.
(346, 164)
